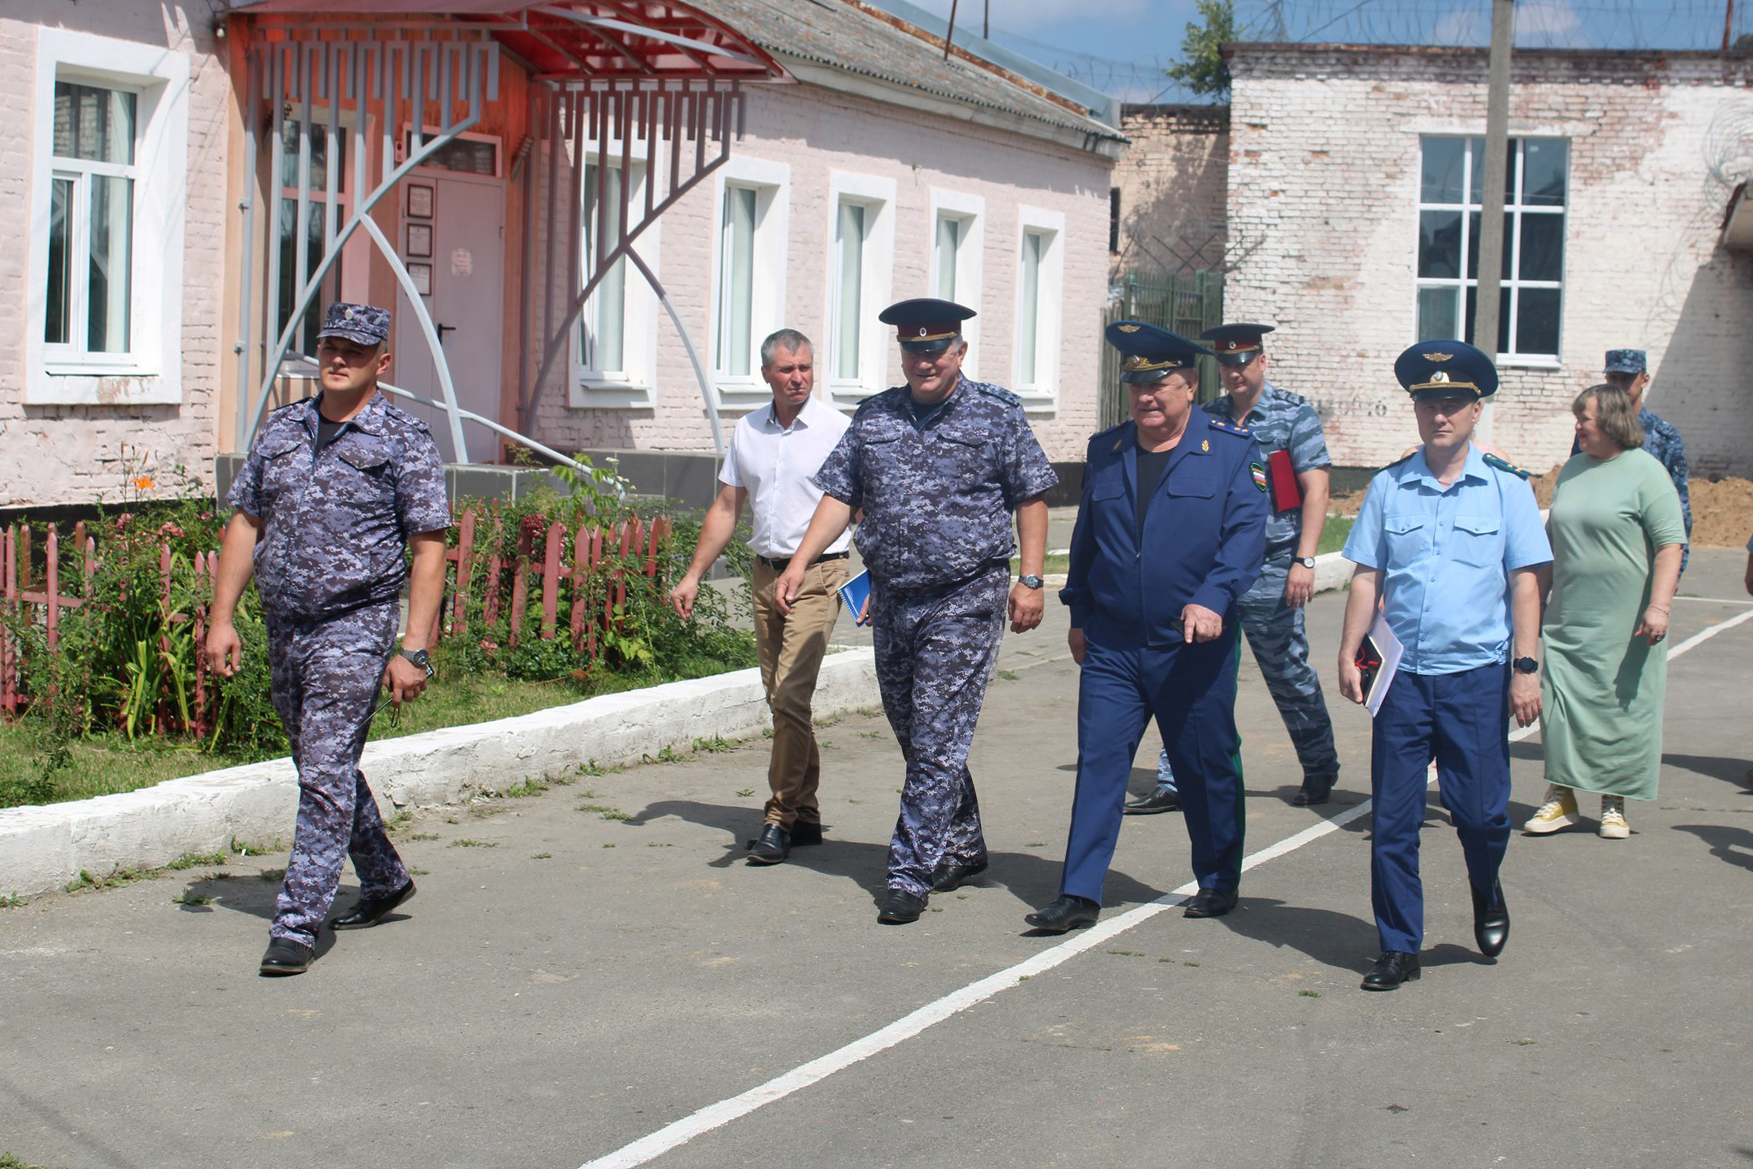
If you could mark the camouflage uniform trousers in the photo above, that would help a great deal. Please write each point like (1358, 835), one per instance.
(326, 679)
(935, 650)
(1281, 649)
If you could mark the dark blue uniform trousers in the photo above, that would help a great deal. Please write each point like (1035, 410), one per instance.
(935, 650)
(326, 679)
(1191, 691)
(1463, 720)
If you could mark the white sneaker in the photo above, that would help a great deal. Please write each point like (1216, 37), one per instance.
(1559, 811)
(1613, 825)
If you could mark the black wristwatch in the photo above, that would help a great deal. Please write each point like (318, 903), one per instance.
(1525, 666)
(1306, 561)
(1030, 582)
(420, 658)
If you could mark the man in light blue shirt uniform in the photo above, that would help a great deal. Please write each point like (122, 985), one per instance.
(1448, 544)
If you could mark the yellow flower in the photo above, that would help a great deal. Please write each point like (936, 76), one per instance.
(143, 483)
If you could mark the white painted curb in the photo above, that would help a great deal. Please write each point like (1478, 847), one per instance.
(44, 848)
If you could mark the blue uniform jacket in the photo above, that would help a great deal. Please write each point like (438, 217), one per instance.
(1204, 538)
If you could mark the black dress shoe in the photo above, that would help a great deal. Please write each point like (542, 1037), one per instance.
(771, 847)
(285, 956)
(1067, 913)
(1158, 800)
(899, 908)
(805, 832)
(1390, 970)
(1491, 921)
(948, 874)
(1315, 790)
(1210, 903)
(370, 910)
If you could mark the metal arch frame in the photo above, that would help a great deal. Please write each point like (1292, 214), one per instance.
(319, 65)
(715, 113)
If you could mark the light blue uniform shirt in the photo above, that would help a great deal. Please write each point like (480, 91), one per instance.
(1445, 558)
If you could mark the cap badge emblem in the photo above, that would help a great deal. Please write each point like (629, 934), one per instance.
(923, 330)
(1127, 328)
(1438, 378)
(1437, 356)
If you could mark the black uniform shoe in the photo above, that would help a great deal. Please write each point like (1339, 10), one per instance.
(371, 910)
(948, 874)
(1491, 921)
(286, 956)
(805, 832)
(1210, 903)
(1159, 800)
(1315, 790)
(1067, 913)
(1390, 970)
(771, 847)
(899, 908)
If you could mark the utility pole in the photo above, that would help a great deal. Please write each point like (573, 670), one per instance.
(950, 35)
(1728, 25)
(1497, 122)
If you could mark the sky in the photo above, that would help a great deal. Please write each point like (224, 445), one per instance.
(1122, 46)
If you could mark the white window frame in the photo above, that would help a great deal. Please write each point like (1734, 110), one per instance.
(970, 212)
(634, 385)
(876, 277)
(1042, 391)
(151, 373)
(771, 182)
(1514, 210)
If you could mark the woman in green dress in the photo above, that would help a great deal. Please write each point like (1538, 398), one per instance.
(1617, 536)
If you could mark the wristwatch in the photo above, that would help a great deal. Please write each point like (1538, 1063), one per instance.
(1526, 666)
(1030, 582)
(1306, 561)
(420, 658)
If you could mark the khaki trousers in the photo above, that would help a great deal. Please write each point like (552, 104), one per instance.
(791, 648)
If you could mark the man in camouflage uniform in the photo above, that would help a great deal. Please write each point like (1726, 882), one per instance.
(1272, 609)
(334, 490)
(937, 466)
(1629, 370)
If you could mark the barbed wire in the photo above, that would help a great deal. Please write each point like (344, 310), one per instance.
(1591, 24)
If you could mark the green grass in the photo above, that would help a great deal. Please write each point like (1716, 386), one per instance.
(109, 763)
(1333, 534)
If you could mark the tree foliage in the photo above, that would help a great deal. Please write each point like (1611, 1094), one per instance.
(1202, 68)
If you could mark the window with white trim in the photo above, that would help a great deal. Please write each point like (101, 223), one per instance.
(1040, 270)
(854, 355)
(749, 277)
(1451, 194)
(958, 240)
(614, 346)
(109, 155)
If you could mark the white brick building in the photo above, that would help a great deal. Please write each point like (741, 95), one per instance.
(1347, 167)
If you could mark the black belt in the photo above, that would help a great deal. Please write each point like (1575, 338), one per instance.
(782, 565)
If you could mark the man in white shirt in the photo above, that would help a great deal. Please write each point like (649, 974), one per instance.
(773, 454)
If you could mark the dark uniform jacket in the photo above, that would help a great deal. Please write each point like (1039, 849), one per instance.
(335, 522)
(1204, 536)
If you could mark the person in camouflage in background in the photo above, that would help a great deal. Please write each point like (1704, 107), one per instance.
(333, 492)
(1629, 370)
(937, 466)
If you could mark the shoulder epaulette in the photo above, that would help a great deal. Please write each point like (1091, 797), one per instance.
(999, 392)
(298, 405)
(873, 402)
(1503, 464)
(1101, 438)
(1402, 458)
(1228, 427)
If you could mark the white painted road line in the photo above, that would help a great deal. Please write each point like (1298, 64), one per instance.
(671, 1136)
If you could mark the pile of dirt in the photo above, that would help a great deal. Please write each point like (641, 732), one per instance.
(1722, 510)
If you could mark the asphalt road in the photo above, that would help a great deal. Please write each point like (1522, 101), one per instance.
(566, 984)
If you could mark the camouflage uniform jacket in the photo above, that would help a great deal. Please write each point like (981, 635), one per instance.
(937, 499)
(1281, 421)
(335, 522)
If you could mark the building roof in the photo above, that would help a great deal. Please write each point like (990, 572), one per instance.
(904, 64)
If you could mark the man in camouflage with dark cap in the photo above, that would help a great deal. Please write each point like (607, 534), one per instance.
(937, 466)
(334, 491)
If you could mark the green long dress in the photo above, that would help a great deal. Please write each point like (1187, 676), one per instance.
(1601, 687)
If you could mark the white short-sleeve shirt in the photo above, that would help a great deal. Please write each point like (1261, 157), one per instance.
(774, 464)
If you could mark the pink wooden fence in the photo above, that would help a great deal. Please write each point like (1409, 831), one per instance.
(36, 592)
